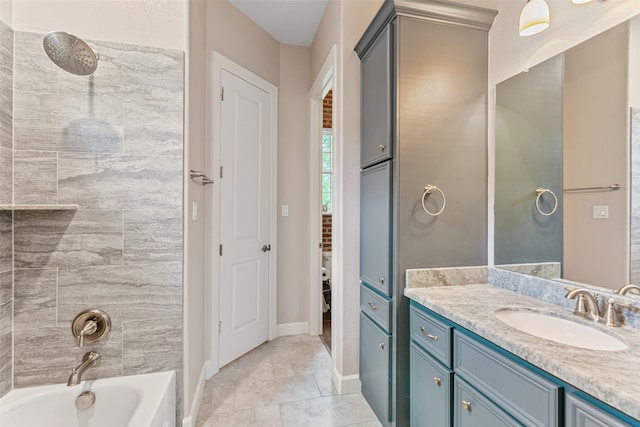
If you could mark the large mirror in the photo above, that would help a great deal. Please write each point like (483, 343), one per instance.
(564, 191)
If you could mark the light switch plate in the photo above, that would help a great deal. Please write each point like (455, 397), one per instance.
(601, 212)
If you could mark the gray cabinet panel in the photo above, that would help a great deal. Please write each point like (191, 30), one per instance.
(526, 396)
(430, 390)
(376, 104)
(375, 228)
(581, 414)
(375, 364)
(471, 409)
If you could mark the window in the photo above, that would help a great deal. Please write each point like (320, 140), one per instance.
(327, 169)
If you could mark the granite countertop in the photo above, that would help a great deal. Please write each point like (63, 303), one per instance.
(608, 376)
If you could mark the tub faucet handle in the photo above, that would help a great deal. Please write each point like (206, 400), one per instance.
(90, 327)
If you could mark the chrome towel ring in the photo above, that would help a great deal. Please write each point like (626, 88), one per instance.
(540, 191)
(428, 190)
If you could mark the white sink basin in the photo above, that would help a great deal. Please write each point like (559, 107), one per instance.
(558, 329)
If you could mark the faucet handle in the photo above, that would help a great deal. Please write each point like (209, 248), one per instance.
(90, 326)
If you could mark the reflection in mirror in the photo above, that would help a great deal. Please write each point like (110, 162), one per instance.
(564, 126)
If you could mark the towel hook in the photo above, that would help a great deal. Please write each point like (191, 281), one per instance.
(540, 191)
(428, 190)
(197, 174)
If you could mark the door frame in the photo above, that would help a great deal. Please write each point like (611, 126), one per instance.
(325, 77)
(212, 206)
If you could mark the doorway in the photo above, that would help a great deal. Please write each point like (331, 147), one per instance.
(327, 211)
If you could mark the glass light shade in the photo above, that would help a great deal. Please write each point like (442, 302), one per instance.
(580, 1)
(534, 17)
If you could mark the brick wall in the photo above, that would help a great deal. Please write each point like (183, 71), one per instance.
(326, 110)
(326, 233)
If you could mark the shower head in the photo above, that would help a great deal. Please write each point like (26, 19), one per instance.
(70, 53)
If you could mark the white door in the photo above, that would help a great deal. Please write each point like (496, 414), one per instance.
(244, 217)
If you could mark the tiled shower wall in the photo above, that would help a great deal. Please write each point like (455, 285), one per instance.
(6, 195)
(112, 144)
(635, 195)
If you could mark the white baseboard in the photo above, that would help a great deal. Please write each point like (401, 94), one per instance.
(298, 328)
(347, 384)
(190, 420)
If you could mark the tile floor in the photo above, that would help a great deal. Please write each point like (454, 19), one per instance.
(285, 382)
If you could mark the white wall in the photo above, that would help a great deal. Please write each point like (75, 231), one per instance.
(293, 183)
(142, 22)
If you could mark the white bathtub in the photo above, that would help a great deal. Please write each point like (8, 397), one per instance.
(134, 401)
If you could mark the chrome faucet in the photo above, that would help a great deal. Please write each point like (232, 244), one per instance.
(91, 359)
(589, 310)
(626, 288)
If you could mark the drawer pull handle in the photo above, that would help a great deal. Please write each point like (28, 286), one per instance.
(373, 307)
(466, 405)
(381, 280)
(381, 345)
(382, 147)
(428, 335)
(437, 381)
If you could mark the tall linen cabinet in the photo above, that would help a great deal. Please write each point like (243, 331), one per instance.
(424, 80)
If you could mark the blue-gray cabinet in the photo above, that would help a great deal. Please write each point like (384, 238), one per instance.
(430, 390)
(472, 409)
(376, 122)
(417, 128)
(375, 367)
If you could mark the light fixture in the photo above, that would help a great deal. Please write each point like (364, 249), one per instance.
(580, 1)
(534, 17)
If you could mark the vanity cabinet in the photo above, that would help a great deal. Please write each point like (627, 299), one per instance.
(580, 413)
(418, 128)
(483, 385)
(489, 388)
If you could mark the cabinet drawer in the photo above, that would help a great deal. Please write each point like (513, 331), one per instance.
(580, 413)
(432, 334)
(375, 364)
(525, 395)
(376, 307)
(471, 409)
(430, 390)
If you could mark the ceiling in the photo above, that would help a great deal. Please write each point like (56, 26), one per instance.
(288, 21)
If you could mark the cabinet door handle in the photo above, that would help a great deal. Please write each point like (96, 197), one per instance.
(381, 280)
(383, 147)
(381, 345)
(466, 405)
(437, 381)
(373, 307)
(428, 335)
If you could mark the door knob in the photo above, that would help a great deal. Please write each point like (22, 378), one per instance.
(265, 248)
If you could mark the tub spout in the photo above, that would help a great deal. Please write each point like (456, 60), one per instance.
(90, 359)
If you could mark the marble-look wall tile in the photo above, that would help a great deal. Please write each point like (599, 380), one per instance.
(67, 238)
(6, 241)
(149, 345)
(152, 236)
(35, 177)
(34, 71)
(536, 287)
(45, 355)
(120, 182)
(6, 331)
(6, 176)
(68, 123)
(35, 297)
(6, 86)
(152, 128)
(450, 276)
(124, 292)
(635, 195)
